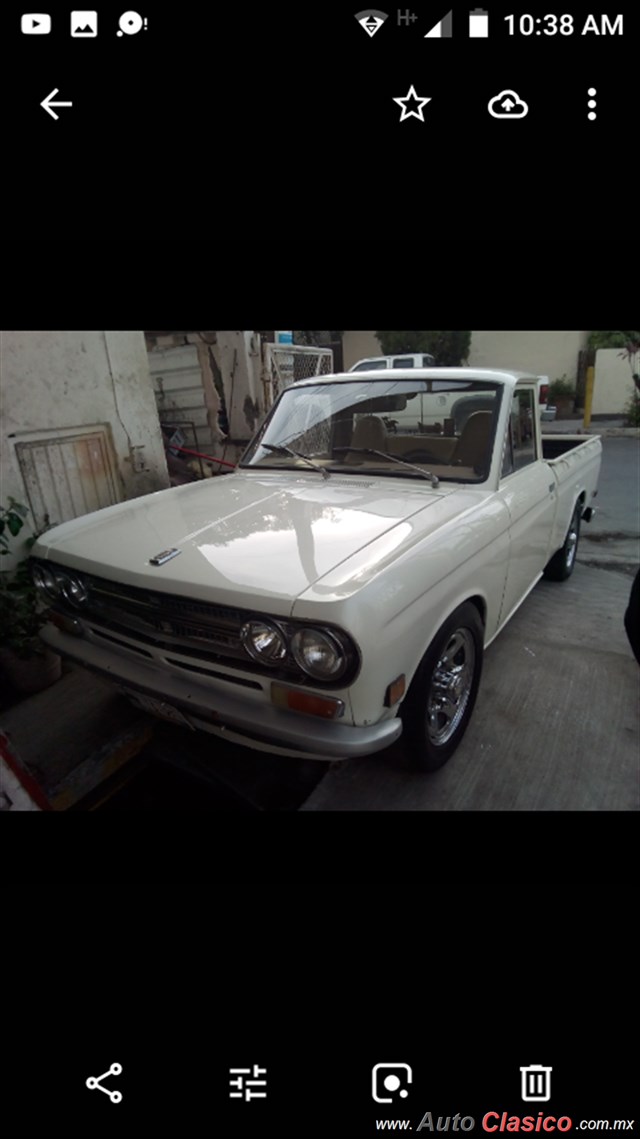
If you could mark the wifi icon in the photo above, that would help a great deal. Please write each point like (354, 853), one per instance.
(371, 20)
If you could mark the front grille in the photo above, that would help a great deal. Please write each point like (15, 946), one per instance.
(164, 619)
(205, 633)
(170, 623)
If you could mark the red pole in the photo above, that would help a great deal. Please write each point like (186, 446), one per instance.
(199, 455)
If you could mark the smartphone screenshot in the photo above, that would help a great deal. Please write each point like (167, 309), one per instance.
(416, 119)
(276, 1009)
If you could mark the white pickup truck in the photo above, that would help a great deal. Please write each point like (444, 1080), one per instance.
(336, 591)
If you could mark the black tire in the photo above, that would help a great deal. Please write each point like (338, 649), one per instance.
(562, 564)
(433, 725)
(632, 617)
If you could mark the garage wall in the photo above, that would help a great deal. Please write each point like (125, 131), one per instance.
(358, 345)
(550, 354)
(79, 421)
(613, 385)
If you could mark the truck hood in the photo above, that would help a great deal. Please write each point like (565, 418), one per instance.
(247, 539)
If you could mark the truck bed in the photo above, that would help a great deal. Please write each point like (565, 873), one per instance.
(554, 446)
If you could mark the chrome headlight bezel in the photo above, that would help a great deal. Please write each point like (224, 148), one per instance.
(45, 580)
(73, 589)
(55, 584)
(296, 643)
(259, 627)
(302, 646)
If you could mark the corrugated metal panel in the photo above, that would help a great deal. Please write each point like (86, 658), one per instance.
(68, 474)
(177, 382)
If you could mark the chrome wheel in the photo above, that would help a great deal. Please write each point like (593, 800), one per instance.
(443, 691)
(562, 564)
(571, 544)
(450, 687)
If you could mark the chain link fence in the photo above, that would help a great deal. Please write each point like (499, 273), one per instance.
(285, 364)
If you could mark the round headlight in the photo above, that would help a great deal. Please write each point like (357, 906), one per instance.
(264, 642)
(74, 589)
(45, 581)
(318, 653)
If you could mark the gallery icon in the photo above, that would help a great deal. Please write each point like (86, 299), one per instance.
(84, 24)
(35, 24)
(385, 1078)
(94, 1083)
(536, 1083)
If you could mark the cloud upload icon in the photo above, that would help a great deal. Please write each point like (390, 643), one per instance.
(508, 105)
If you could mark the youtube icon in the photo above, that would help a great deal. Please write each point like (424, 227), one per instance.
(35, 24)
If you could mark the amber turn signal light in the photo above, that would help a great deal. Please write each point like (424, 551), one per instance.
(298, 701)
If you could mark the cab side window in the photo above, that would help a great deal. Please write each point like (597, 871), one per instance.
(520, 444)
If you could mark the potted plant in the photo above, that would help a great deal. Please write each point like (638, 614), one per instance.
(26, 661)
(562, 394)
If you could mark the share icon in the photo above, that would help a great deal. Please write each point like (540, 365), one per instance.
(94, 1082)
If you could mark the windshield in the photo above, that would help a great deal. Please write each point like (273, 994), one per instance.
(374, 426)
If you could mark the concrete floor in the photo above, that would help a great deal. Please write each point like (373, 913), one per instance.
(555, 727)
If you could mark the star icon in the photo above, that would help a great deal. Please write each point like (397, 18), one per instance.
(417, 109)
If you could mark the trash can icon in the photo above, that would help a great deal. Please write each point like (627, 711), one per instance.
(536, 1082)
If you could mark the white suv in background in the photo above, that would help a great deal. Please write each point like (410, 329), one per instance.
(409, 360)
(547, 410)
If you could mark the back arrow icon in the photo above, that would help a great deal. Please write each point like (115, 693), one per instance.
(47, 104)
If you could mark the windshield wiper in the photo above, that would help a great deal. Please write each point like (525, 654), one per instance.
(280, 447)
(433, 479)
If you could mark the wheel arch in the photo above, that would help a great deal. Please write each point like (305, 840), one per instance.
(475, 599)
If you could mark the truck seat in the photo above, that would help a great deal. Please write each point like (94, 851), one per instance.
(369, 431)
(472, 448)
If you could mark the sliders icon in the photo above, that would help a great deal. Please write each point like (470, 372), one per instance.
(84, 24)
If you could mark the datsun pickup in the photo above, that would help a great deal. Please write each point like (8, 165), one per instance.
(338, 589)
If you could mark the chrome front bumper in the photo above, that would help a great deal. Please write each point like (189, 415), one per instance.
(215, 706)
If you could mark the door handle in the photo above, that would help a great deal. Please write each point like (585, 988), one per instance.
(552, 488)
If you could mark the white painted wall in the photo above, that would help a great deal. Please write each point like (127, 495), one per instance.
(58, 380)
(357, 346)
(551, 354)
(239, 359)
(613, 386)
(544, 353)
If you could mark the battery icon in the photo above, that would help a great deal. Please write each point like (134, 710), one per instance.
(478, 24)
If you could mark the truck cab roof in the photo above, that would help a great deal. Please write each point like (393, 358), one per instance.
(494, 375)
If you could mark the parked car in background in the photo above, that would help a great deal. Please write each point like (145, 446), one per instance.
(547, 410)
(409, 360)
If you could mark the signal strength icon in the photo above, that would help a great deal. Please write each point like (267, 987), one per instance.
(441, 30)
(371, 20)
